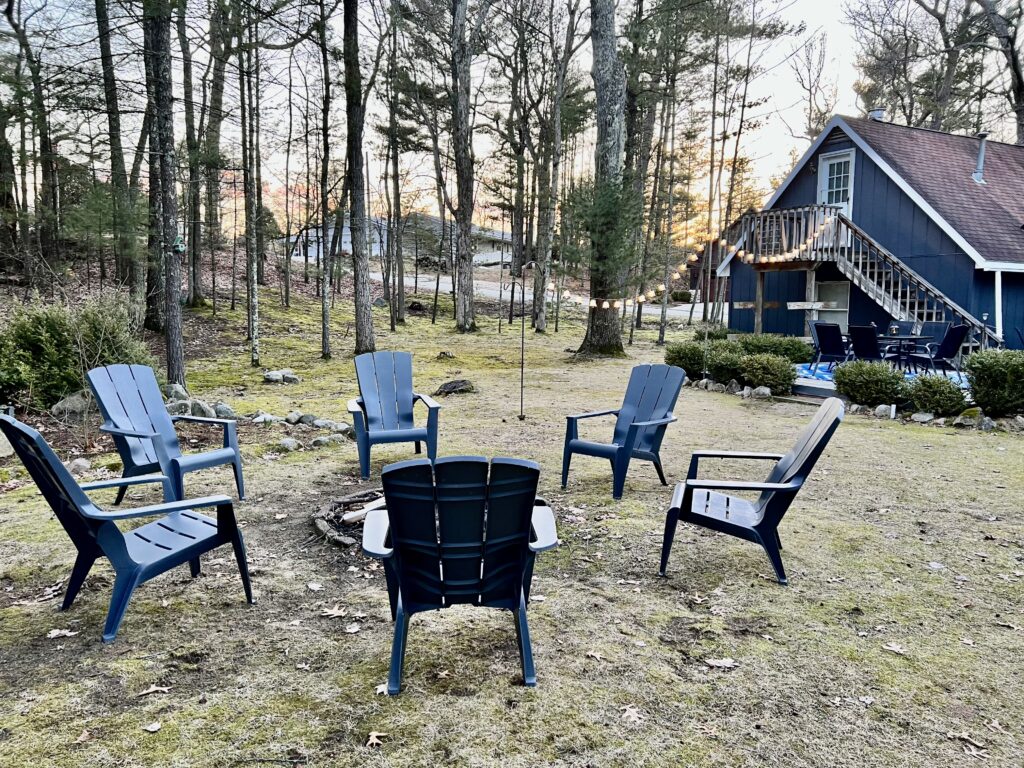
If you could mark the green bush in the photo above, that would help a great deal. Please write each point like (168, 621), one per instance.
(766, 370)
(793, 349)
(713, 332)
(997, 380)
(46, 350)
(684, 297)
(689, 355)
(937, 395)
(723, 359)
(869, 384)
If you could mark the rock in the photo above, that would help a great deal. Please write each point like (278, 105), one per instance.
(1018, 422)
(855, 408)
(224, 411)
(379, 302)
(761, 393)
(703, 383)
(293, 417)
(307, 419)
(180, 407)
(883, 411)
(78, 466)
(74, 407)
(290, 378)
(273, 377)
(687, 381)
(717, 388)
(199, 408)
(986, 424)
(262, 417)
(325, 440)
(289, 445)
(733, 387)
(445, 355)
(415, 306)
(939, 422)
(922, 418)
(457, 387)
(174, 392)
(969, 418)
(337, 427)
(746, 393)
(6, 449)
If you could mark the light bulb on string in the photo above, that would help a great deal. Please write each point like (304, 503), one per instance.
(676, 276)
(593, 303)
(661, 287)
(681, 267)
(617, 304)
(605, 305)
(641, 299)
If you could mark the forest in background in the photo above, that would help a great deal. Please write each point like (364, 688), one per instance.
(142, 143)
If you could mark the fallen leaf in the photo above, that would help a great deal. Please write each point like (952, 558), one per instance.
(84, 736)
(965, 736)
(302, 665)
(595, 655)
(966, 641)
(867, 701)
(155, 689)
(281, 516)
(60, 633)
(152, 727)
(381, 689)
(981, 754)
(444, 674)
(374, 739)
(335, 613)
(315, 586)
(996, 727)
(351, 629)
(631, 714)
(725, 663)
(895, 648)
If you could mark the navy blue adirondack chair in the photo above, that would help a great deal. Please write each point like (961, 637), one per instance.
(135, 416)
(829, 346)
(451, 534)
(180, 535)
(384, 411)
(944, 355)
(639, 429)
(701, 502)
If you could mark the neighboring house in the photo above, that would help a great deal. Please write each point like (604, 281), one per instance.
(878, 221)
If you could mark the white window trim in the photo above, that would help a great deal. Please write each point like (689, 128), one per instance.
(823, 160)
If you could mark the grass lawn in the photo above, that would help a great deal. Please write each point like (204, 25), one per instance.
(897, 642)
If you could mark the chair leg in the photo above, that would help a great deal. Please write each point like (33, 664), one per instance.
(432, 444)
(525, 649)
(771, 548)
(124, 584)
(236, 466)
(778, 540)
(398, 652)
(418, 450)
(177, 481)
(195, 568)
(620, 465)
(566, 461)
(364, 458)
(238, 544)
(83, 563)
(120, 494)
(671, 520)
(660, 470)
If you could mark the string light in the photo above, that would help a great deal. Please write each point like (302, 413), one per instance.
(676, 275)
(551, 286)
(650, 294)
(593, 303)
(661, 287)
(616, 304)
(693, 257)
(641, 299)
(606, 305)
(680, 268)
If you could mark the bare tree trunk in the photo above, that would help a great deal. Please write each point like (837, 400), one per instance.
(398, 305)
(354, 158)
(1011, 50)
(325, 214)
(245, 99)
(604, 334)
(220, 42)
(193, 222)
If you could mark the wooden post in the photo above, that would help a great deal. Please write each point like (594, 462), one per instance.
(759, 303)
(809, 295)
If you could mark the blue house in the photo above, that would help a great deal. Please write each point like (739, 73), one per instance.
(879, 221)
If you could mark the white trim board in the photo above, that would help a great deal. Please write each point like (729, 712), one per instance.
(838, 122)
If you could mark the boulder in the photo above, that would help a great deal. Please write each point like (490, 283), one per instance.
(289, 445)
(325, 440)
(262, 417)
(290, 378)
(717, 388)
(968, 419)
(746, 392)
(337, 427)
(78, 466)
(6, 449)
(307, 419)
(293, 417)
(180, 407)
(703, 384)
(761, 393)
(415, 306)
(883, 411)
(986, 424)
(733, 387)
(457, 387)
(224, 411)
(379, 302)
(921, 417)
(854, 408)
(74, 407)
(1018, 422)
(199, 408)
(273, 377)
(174, 392)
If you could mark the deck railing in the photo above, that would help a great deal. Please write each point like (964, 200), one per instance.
(821, 233)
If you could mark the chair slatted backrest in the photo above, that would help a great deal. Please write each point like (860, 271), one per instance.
(798, 463)
(459, 537)
(52, 478)
(129, 398)
(951, 343)
(385, 384)
(934, 331)
(830, 339)
(650, 395)
(864, 340)
(904, 327)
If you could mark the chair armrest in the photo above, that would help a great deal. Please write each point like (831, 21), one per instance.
(595, 413)
(356, 405)
(656, 422)
(375, 534)
(543, 524)
(110, 429)
(426, 400)
(117, 482)
(161, 509)
(203, 420)
(713, 454)
(740, 485)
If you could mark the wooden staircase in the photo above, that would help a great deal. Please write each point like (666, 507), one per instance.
(788, 238)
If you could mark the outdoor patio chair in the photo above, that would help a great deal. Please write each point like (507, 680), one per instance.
(903, 327)
(829, 346)
(384, 411)
(864, 345)
(134, 414)
(450, 534)
(180, 535)
(945, 355)
(702, 503)
(933, 332)
(639, 429)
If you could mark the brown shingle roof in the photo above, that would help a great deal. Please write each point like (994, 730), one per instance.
(939, 167)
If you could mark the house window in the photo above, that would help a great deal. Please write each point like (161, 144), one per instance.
(838, 190)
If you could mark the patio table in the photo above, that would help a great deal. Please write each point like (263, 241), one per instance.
(904, 344)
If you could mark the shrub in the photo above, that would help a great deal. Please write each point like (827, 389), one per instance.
(997, 380)
(937, 395)
(869, 383)
(688, 355)
(46, 350)
(714, 332)
(684, 297)
(794, 350)
(723, 359)
(766, 370)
